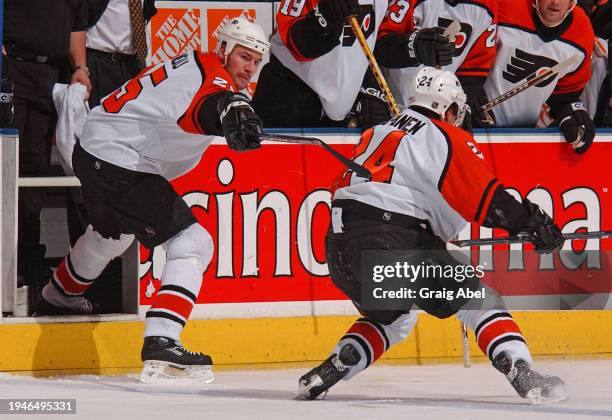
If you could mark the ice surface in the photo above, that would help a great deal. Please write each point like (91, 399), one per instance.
(447, 391)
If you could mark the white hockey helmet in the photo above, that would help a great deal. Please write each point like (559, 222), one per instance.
(536, 6)
(437, 90)
(241, 31)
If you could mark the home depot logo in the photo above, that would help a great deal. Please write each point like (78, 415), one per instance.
(173, 32)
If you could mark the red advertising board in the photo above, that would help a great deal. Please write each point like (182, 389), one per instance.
(268, 212)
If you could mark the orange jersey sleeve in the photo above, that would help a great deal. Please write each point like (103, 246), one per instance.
(398, 19)
(214, 79)
(289, 12)
(479, 59)
(467, 183)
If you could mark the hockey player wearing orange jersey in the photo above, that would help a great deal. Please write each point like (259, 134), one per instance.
(475, 44)
(317, 67)
(428, 179)
(151, 130)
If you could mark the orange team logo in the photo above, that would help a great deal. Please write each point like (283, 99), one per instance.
(174, 32)
(216, 18)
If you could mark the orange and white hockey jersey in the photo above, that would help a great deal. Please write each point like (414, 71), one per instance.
(475, 43)
(423, 168)
(523, 50)
(336, 76)
(151, 123)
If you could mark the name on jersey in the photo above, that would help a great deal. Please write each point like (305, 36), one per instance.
(407, 123)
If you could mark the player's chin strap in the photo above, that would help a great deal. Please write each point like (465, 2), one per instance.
(524, 237)
(536, 6)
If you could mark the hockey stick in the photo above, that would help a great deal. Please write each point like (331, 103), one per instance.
(522, 238)
(395, 111)
(355, 167)
(531, 80)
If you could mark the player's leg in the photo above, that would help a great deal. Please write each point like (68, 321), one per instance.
(369, 337)
(106, 238)
(362, 345)
(64, 294)
(500, 339)
(187, 255)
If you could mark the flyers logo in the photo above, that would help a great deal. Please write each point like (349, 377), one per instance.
(220, 82)
(367, 21)
(526, 66)
(463, 37)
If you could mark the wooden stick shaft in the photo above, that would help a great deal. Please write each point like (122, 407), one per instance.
(395, 111)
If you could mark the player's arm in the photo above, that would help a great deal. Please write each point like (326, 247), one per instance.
(230, 115)
(475, 68)
(400, 45)
(469, 187)
(311, 29)
(565, 106)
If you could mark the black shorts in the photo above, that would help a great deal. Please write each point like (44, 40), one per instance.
(344, 254)
(120, 200)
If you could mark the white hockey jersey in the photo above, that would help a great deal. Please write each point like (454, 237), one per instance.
(423, 168)
(336, 76)
(150, 124)
(522, 51)
(475, 43)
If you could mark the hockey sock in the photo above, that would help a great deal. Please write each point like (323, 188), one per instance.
(86, 261)
(372, 339)
(187, 257)
(496, 331)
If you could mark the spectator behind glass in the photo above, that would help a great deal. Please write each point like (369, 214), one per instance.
(38, 35)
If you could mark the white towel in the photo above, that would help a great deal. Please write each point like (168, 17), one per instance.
(72, 110)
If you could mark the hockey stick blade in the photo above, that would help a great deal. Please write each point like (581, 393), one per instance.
(355, 167)
(528, 238)
(531, 80)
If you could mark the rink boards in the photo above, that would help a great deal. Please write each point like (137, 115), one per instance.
(267, 296)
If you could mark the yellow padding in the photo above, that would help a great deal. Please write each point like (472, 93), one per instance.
(105, 345)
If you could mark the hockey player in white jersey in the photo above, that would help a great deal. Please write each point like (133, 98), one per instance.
(317, 66)
(428, 178)
(534, 35)
(151, 130)
(475, 44)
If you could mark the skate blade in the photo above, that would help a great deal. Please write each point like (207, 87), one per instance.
(550, 395)
(304, 388)
(163, 372)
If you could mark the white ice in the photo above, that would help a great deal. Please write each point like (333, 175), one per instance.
(447, 391)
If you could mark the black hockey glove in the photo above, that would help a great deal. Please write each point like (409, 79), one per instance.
(6, 103)
(241, 126)
(369, 109)
(332, 13)
(576, 125)
(430, 47)
(480, 118)
(539, 224)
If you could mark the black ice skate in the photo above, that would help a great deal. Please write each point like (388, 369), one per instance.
(327, 374)
(166, 359)
(52, 302)
(537, 388)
